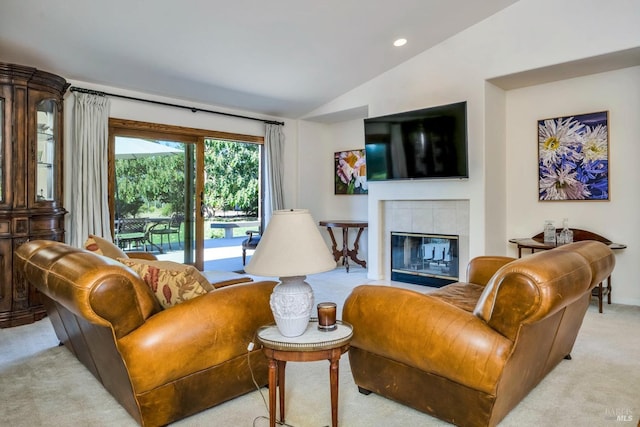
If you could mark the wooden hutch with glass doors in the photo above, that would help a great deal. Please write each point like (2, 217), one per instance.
(31, 181)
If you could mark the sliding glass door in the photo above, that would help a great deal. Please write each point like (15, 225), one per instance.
(232, 202)
(187, 195)
(155, 197)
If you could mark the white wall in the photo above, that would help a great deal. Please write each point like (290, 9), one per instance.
(528, 35)
(316, 191)
(617, 219)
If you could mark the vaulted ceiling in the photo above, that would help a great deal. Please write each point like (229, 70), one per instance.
(282, 57)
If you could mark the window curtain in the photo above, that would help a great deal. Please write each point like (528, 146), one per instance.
(86, 195)
(274, 166)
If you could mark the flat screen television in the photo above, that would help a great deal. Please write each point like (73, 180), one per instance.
(421, 144)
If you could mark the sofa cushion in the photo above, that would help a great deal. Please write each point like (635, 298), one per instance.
(462, 295)
(101, 246)
(171, 282)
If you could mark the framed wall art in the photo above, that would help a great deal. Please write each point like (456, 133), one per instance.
(350, 172)
(573, 157)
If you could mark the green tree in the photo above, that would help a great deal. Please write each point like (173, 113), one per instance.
(150, 181)
(231, 180)
(232, 170)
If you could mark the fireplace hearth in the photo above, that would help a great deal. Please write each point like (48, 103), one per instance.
(424, 259)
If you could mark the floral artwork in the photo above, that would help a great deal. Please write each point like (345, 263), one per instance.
(350, 172)
(573, 156)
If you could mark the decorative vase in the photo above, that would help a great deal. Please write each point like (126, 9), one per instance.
(292, 303)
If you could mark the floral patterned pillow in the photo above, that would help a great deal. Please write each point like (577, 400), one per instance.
(102, 246)
(171, 282)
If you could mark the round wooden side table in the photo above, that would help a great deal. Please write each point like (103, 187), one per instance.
(312, 345)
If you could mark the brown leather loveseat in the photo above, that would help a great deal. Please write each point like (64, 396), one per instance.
(161, 365)
(470, 352)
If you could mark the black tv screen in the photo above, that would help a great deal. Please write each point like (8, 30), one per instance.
(420, 144)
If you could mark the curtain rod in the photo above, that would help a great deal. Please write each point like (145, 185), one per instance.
(167, 104)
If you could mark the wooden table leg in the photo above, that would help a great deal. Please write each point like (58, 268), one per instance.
(273, 368)
(345, 247)
(353, 254)
(334, 245)
(333, 380)
(281, 366)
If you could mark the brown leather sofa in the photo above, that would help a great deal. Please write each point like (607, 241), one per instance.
(160, 365)
(468, 353)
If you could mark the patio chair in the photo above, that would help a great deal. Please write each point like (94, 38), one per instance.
(167, 228)
(131, 233)
(250, 243)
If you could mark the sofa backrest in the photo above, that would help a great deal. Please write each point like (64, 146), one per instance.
(536, 286)
(599, 256)
(96, 288)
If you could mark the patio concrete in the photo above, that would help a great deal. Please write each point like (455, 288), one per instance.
(219, 254)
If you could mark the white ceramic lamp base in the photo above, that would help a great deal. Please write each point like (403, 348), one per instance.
(292, 304)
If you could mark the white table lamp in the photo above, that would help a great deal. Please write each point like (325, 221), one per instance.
(290, 248)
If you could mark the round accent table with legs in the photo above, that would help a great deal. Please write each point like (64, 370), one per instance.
(312, 345)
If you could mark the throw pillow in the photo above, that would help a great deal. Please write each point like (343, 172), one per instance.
(171, 282)
(102, 246)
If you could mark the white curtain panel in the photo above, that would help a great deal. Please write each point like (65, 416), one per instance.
(86, 195)
(274, 167)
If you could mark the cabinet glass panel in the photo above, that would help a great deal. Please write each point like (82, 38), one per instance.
(46, 149)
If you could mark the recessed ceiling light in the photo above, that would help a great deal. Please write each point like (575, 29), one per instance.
(400, 42)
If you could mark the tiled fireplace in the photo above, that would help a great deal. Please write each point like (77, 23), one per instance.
(429, 217)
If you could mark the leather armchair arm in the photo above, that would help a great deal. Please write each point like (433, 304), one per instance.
(196, 335)
(428, 334)
(482, 268)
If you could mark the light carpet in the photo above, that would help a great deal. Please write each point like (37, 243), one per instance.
(43, 384)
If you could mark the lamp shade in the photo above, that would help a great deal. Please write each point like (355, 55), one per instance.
(290, 248)
(291, 245)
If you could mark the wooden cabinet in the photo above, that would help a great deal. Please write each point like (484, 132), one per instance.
(31, 184)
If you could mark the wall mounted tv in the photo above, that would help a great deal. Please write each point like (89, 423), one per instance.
(420, 144)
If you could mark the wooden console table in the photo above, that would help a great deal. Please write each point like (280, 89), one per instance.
(345, 253)
(537, 243)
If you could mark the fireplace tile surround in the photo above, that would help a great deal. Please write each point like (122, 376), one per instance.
(424, 216)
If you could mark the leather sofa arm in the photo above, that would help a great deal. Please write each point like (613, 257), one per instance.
(196, 334)
(94, 287)
(532, 288)
(482, 268)
(427, 333)
(142, 255)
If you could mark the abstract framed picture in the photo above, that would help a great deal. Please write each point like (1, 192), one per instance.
(350, 172)
(573, 157)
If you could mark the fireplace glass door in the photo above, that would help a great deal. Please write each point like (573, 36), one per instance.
(424, 259)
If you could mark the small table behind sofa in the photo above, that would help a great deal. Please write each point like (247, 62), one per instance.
(537, 243)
